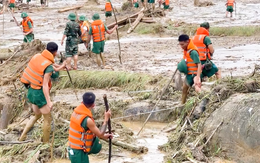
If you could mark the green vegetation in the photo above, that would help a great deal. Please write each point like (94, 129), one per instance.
(235, 31)
(107, 79)
(143, 28)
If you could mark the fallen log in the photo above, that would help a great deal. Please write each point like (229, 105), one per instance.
(6, 113)
(123, 21)
(136, 22)
(70, 8)
(132, 148)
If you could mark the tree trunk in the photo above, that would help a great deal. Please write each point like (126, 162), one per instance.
(6, 114)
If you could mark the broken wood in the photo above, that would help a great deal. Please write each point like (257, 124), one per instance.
(171, 129)
(123, 21)
(15, 142)
(136, 22)
(6, 113)
(2, 132)
(130, 147)
(70, 8)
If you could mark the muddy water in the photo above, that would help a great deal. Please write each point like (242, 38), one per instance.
(151, 137)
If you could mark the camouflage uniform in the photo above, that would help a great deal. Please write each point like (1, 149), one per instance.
(72, 31)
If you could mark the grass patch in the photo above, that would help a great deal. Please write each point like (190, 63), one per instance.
(235, 31)
(107, 79)
(143, 28)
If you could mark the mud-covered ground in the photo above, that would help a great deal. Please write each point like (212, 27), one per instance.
(148, 53)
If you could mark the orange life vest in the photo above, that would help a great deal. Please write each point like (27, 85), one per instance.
(78, 137)
(230, 3)
(12, 1)
(82, 25)
(108, 7)
(191, 66)
(198, 41)
(34, 72)
(167, 2)
(98, 31)
(25, 24)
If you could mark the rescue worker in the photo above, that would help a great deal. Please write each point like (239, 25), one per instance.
(143, 3)
(206, 50)
(97, 30)
(27, 24)
(108, 9)
(230, 7)
(37, 78)
(166, 4)
(84, 27)
(135, 3)
(83, 132)
(72, 32)
(190, 65)
(12, 5)
(151, 4)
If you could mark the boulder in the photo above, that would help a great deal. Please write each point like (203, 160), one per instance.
(239, 134)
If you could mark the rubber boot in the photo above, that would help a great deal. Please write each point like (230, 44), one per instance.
(103, 60)
(28, 126)
(46, 128)
(185, 89)
(98, 60)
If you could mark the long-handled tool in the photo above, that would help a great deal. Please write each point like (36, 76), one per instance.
(165, 88)
(109, 129)
(69, 76)
(119, 55)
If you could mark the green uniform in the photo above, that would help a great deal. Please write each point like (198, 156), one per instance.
(230, 9)
(108, 13)
(98, 47)
(214, 68)
(28, 1)
(29, 37)
(142, 0)
(195, 57)
(36, 96)
(136, 5)
(78, 155)
(73, 32)
(11, 5)
(165, 6)
(151, 1)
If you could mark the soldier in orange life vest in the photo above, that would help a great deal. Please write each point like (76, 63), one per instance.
(83, 132)
(108, 9)
(206, 50)
(97, 30)
(190, 65)
(27, 24)
(37, 78)
(12, 5)
(230, 7)
(84, 27)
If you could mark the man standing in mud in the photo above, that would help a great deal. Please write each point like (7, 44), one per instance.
(230, 7)
(83, 132)
(37, 78)
(202, 41)
(98, 30)
(72, 32)
(190, 65)
(27, 25)
(108, 9)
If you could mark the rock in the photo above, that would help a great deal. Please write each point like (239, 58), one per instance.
(239, 134)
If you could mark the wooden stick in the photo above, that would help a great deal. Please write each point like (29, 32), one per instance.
(158, 100)
(213, 132)
(2, 132)
(109, 129)
(10, 57)
(119, 46)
